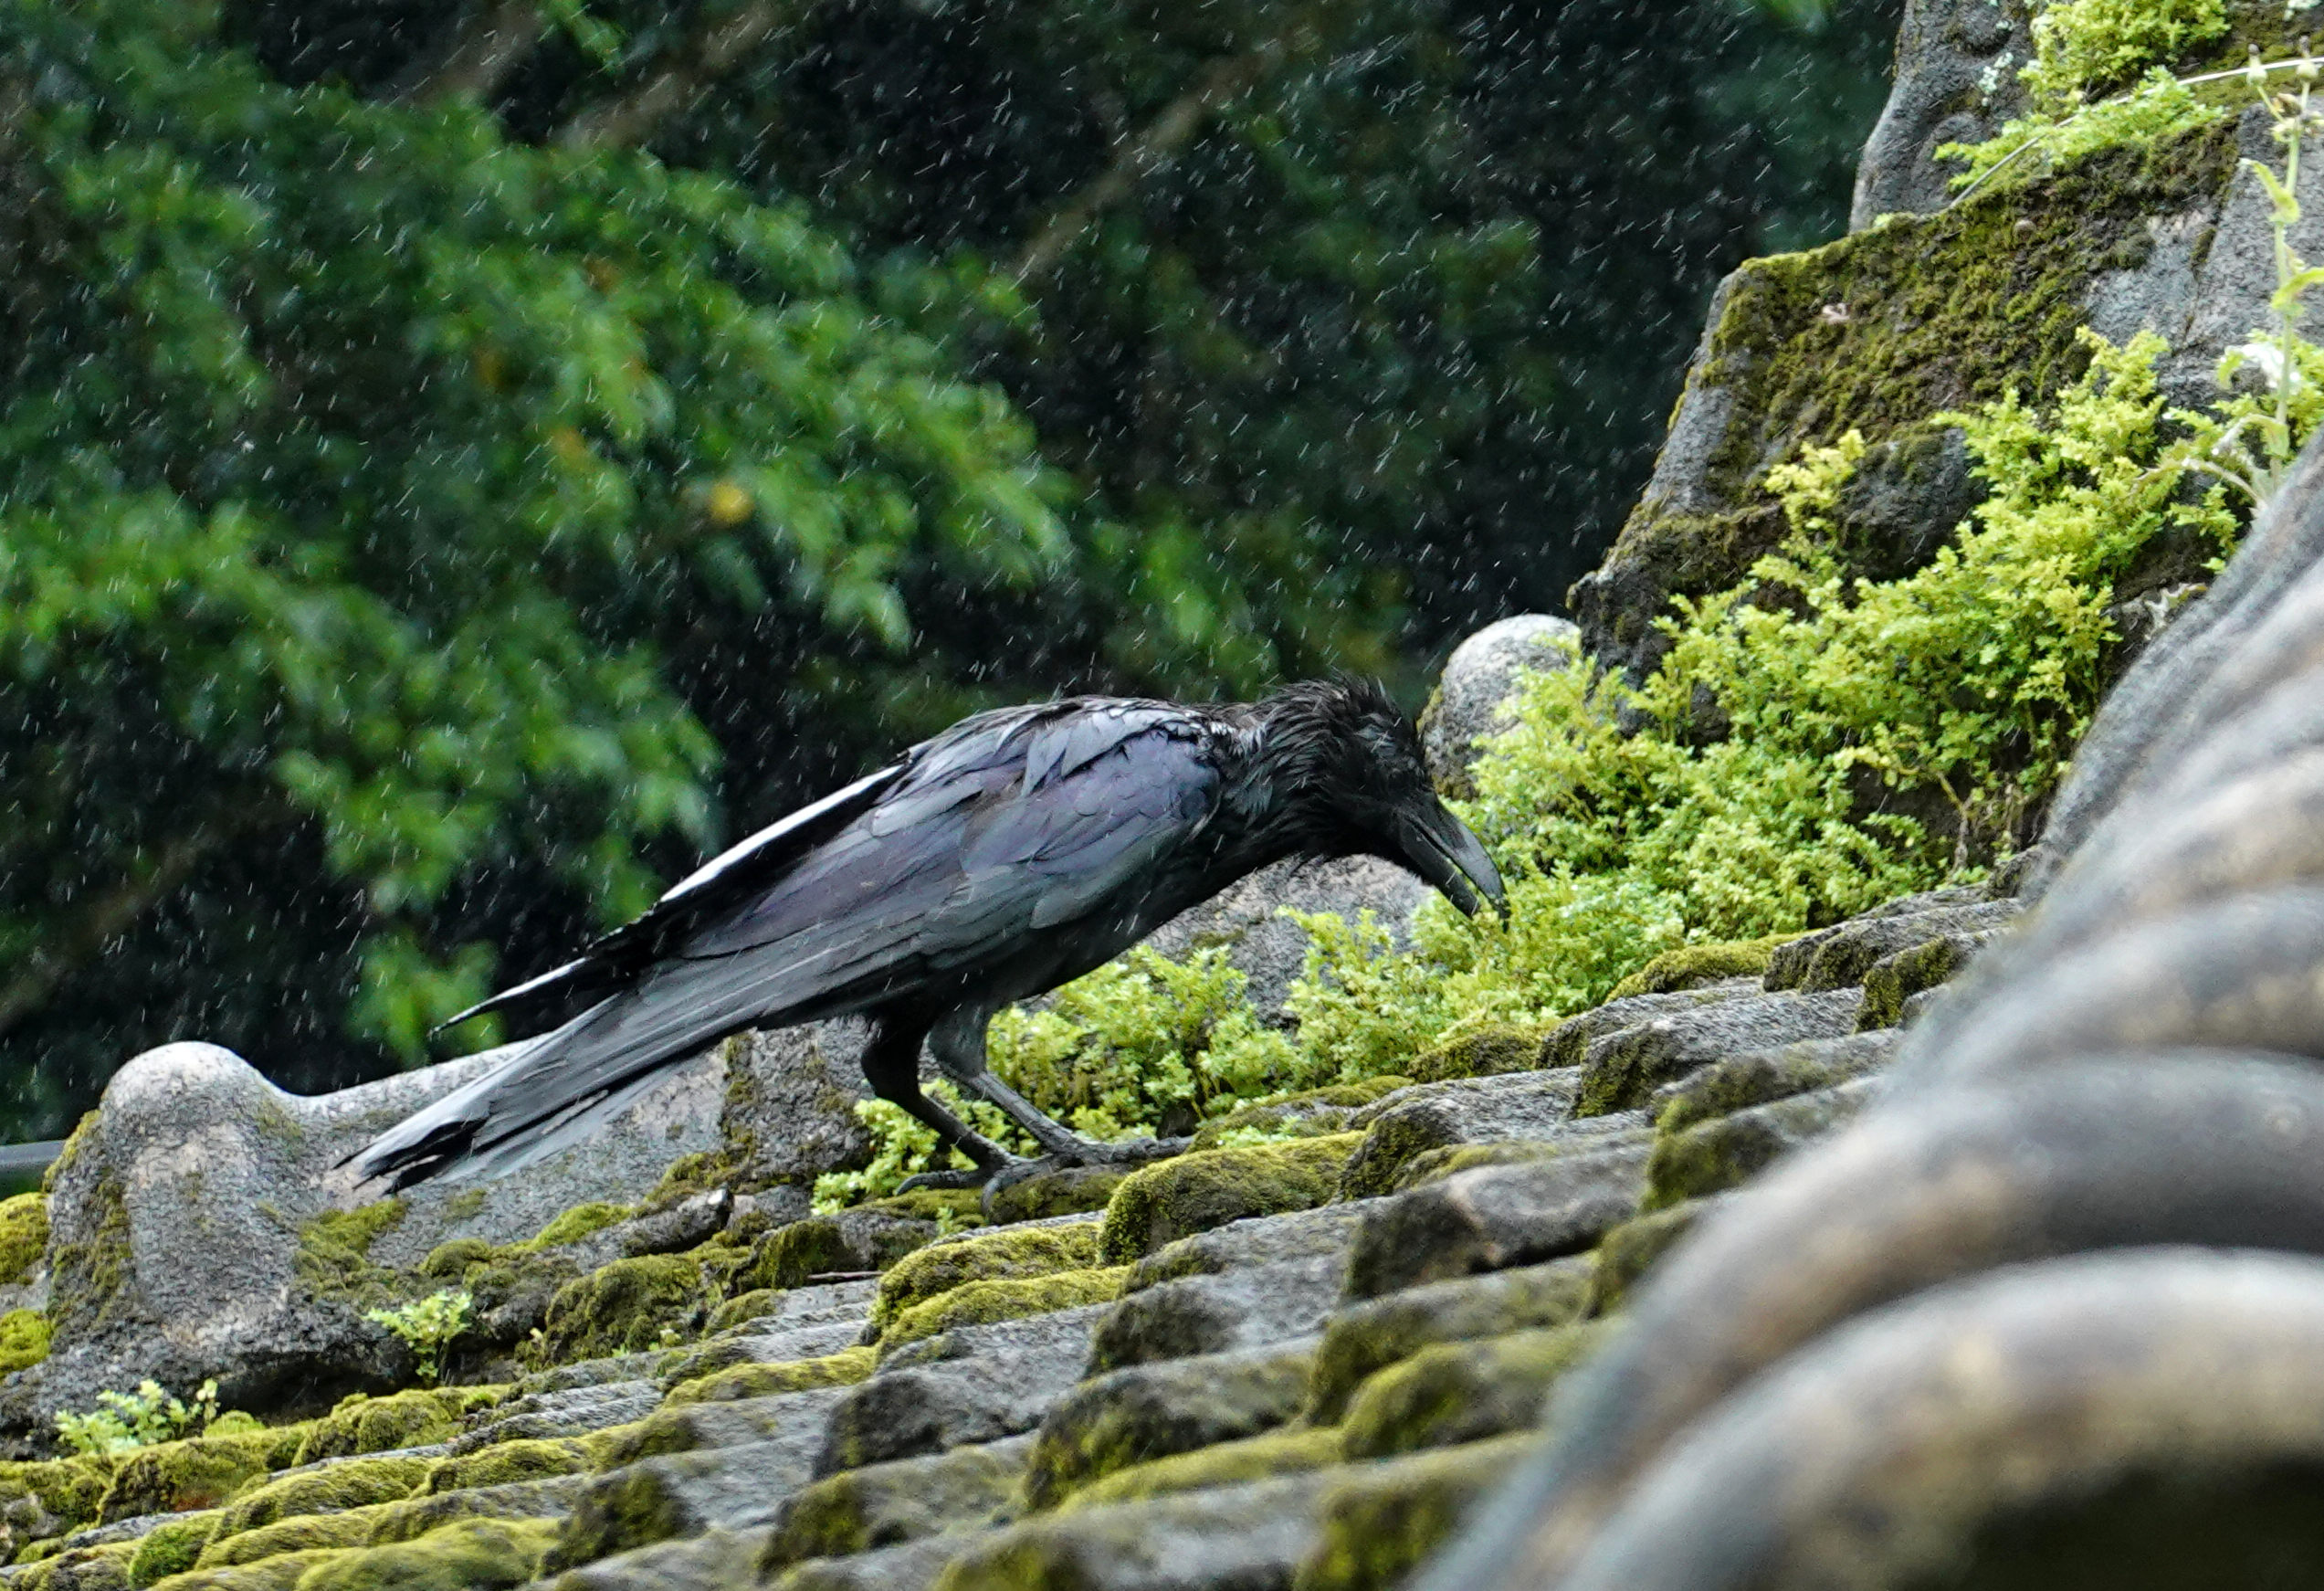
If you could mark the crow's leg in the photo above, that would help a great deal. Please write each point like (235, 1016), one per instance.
(958, 1043)
(891, 1066)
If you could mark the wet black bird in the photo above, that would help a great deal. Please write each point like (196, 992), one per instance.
(1016, 850)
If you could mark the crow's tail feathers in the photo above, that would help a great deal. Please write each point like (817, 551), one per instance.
(516, 1114)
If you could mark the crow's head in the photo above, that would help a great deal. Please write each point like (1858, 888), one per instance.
(1348, 765)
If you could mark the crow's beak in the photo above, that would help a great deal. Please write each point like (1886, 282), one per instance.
(1441, 849)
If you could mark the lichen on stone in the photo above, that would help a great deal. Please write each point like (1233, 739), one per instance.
(476, 1554)
(1459, 1392)
(1007, 1255)
(978, 1303)
(1693, 965)
(841, 1369)
(1259, 1457)
(1362, 1339)
(24, 1236)
(1628, 1252)
(172, 1548)
(1380, 1522)
(1197, 1191)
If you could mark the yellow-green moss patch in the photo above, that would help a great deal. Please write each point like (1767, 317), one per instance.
(844, 1368)
(24, 1339)
(282, 1572)
(410, 1419)
(300, 1533)
(1459, 1392)
(69, 1489)
(1628, 1252)
(532, 1458)
(81, 1569)
(573, 1225)
(474, 1555)
(351, 1484)
(1484, 1052)
(1380, 1521)
(172, 1548)
(1313, 1113)
(24, 1236)
(1259, 1457)
(172, 1477)
(1211, 1187)
(1008, 1255)
(978, 1303)
(623, 1308)
(1692, 965)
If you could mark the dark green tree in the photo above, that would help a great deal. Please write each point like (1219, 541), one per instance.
(461, 459)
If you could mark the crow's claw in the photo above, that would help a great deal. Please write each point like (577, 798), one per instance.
(976, 1177)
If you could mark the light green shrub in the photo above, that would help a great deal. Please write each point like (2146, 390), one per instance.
(138, 1419)
(428, 1326)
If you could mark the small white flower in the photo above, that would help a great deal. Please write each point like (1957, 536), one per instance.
(2266, 357)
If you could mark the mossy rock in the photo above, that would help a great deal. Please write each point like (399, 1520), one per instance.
(1452, 1159)
(572, 1226)
(1381, 1521)
(1314, 1113)
(959, 1206)
(527, 1458)
(980, 1304)
(300, 1534)
(205, 1472)
(24, 1339)
(1487, 1053)
(1460, 1392)
(1259, 1457)
(450, 1261)
(473, 1555)
(281, 1573)
(24, 1236)
(333, 1262)
(1002, 1256)
(95, 1568)
(1691, 966)
(352, 1483)
(855, 1240)
(69, 1490)
(844, 1368)
(172, 1547)
(1070, 1190)
(1362, 1339)
(626, 1307)
(1208, 1188)
(411, 1419)
(750, 1306)
(1627, 1252)
(879, 1505)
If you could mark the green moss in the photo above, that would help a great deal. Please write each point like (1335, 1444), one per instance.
(172, 1477)
(340, 1486)
(98, 1568)
(1362, 1339)
(1893, 980)
(66, 1157)
(1627, 1253)
(473, 1555)
(465, 1206)
(70, 1490)
(300, 1534)
(373, 1425)
(1259, 1457)
(689, 1176)
(88, 1280)
(576, 1223)
(750, 1306)
(624, 1307)
(841, 1369)
(172, 1548)
(1451, 1159)
(978, 1303)
(1458, 1391)
(879, 1505)
(1005, 1255)
(532, 1458)
(24, 1236)
(1380, 1522)
(450, 1261)
(24, 1339)
(1483, 1052)
(1692, 967)
(862, 1239)
(1211, 1187)
(1070, 1190)
(333, 1260)
(1314, 1113)
(281, 1573)
(955, 1206)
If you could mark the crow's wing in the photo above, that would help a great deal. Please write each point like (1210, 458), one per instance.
(1009, 825)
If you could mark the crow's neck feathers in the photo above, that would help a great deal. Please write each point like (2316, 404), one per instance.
(1295, 776)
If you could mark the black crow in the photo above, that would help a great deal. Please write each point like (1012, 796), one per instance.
(1016, 850)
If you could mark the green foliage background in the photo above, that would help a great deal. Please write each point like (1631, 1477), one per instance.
(427, 519)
